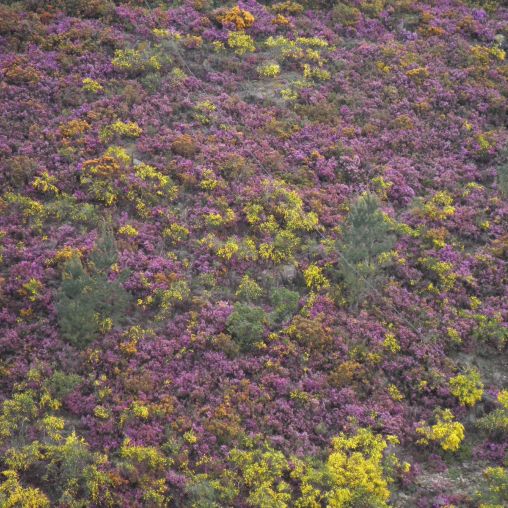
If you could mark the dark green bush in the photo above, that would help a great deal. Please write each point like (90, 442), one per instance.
(87, 299)
(246, 324)
(502, 178)
(61, 384)
(366, 236)
(285, 303)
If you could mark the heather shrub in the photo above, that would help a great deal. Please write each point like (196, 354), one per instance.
(234, 138)
(246, 324)
(184, 145)
(20, 170)
(347, 374)
(310, 332)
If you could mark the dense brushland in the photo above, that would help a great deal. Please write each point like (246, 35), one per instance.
(253, 254)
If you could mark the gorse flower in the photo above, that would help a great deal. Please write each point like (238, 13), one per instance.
(447, 432)
(240, 18)
(241, 43)
(467, 387)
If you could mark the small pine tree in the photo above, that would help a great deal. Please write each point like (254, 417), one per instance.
(87, 297)
(76, 312)
(366, 236)
(502, 178)
(104, 254)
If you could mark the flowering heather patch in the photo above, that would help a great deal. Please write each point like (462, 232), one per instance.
(253, 253)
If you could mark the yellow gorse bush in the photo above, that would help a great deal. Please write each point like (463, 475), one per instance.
(357, 471)
(269, 70)
(314, 278)
(440, 206)
(468, 387)
(447, 432)
(240, 18)
(128, 230)
(241, 43)
(91, 85)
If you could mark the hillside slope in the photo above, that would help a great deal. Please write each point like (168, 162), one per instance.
(253, 254)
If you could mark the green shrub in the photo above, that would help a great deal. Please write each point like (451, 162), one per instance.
(246, 325)
(61, 384)
(502, 178)
(494, 488)
(496, 422)
(249, 290)
(285, 303)
(346, 15)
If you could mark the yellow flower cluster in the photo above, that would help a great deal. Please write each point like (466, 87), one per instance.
(315, 73)
(262, 473)
(418, 73)
(31, 289)
(395, 393)
(269, 70)
(356, 468)
(14, 494)
(249, 289)
(228, 250)
(288, 6)
(74, 128)
(209, 182)
(140, 410)
(240, 18)
(190, 437)
(440, 206)
(502, 398)
(148, 456)
(135, 60)
(176, 233)
(178, 292)
(444, 270)
(90, 85)
(447, 432)
(314, 278)
(123, 129)
(391, 343)
(241, 43)
(128, 230)
(483, 54)
(468, 387)
(45, 183)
